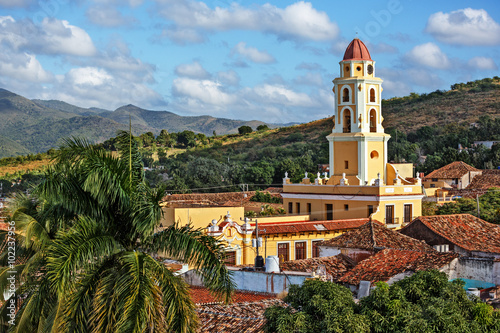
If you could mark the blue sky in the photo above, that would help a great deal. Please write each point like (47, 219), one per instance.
(271, 61)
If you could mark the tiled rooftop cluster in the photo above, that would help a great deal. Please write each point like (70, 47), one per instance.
(229, 199)
(208, 198)
(465, 230)
(311, 226)
(390, 262)
(202, 295)
(237, 317)
(489, 178)
(374, 236)
(451, 171)
(334, 266)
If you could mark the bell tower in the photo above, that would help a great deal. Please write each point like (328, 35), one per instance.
(358, 144)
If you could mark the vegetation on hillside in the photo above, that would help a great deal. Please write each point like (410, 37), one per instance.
(489, 206)
(424, 302)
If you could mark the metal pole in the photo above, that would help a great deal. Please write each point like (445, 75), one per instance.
(257, 235)
(477, 201)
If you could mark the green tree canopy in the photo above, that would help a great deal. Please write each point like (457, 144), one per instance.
(245, 130)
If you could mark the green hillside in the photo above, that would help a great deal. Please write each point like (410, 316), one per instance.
(36, 126)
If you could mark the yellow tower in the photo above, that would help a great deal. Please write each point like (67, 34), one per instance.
(361, 182)
(358, 144)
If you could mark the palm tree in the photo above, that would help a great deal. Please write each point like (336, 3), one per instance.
(99, 268)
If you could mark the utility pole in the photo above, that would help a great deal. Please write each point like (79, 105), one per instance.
(477, 201)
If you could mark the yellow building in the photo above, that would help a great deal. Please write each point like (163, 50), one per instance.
(361, 183)
(288, 238)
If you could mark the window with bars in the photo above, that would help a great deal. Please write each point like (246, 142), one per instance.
(230, 258)
(283, 252)
(300, 250)
(407, 213)
(315, 248)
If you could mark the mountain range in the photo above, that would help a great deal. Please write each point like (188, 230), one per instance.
(33, 126)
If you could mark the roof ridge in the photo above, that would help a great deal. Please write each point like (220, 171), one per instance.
(373, 235)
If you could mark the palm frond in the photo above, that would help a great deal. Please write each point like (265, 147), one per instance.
(79, 248)
(202, 252)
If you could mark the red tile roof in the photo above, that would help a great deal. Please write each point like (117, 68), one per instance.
(310, 226)
(334, 267)
(389, 262)
(451, 171)
(489, 178)
(357, 50)
(202, 295)
(465, 230)
(373, 236)
(237, 317)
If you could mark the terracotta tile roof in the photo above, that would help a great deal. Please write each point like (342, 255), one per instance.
(309, 226)
(334, 266)
(236, 317)
(202, 295)
(465, 230)
(389, 262)
(207, 198)
(451, 171)
(374, 236)
(489, 178)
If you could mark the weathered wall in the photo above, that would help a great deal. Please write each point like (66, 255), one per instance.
(256, 281)
(481, 269)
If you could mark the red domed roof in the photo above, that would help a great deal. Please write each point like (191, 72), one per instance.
(357, 50)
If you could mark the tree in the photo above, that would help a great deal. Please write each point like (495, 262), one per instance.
(186, 138)
(261, 128)
(322, 307)
(245, 130)
(99, 274)
(424, 302)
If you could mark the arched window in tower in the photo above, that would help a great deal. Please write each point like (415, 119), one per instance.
(373, 120)
(347, 121)
(372, 95)
(345, 95)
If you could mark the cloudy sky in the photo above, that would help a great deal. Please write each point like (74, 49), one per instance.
(272, 61)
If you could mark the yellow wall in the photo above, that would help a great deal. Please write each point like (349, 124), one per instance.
(200, 217)
(375, 164)
(270, 248)
(345, 151)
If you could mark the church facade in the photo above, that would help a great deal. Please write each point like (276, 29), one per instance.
(362, 183)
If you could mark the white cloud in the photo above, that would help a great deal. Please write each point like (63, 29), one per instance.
(229, 77)
(23, 67)
(276, 94)
(51, 36)
(428, 55)
(205, 91)
(482, 63)
(108, 16)
(88, 76)
(253, 54)
(62, 37)
(16, 3)
(309, 79)
(194, 71)
(183, 36)
(132, 3)
(297, 21)
(464, 27)
(92, 86)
